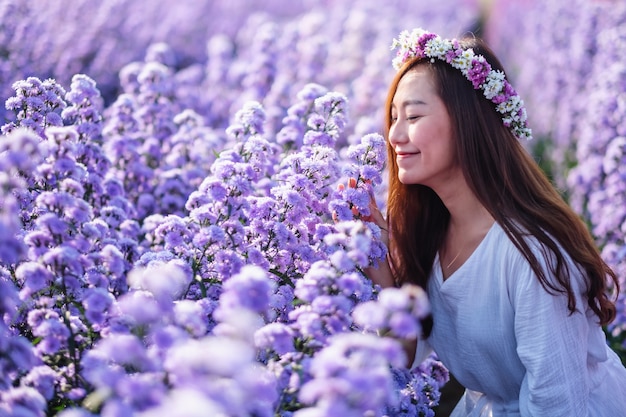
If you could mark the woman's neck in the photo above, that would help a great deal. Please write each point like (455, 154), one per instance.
(466, 211)
(469, 223)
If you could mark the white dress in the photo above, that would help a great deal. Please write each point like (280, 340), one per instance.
(516, 348)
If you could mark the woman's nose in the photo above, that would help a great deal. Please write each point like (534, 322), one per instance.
(397, 133)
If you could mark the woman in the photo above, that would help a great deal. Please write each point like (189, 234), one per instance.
(517, 287)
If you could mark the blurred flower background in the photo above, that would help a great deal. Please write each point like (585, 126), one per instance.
(169, 174)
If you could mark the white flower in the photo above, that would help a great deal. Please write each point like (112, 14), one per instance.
(438, 48)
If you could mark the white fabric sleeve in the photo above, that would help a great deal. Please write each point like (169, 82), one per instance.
(552, 345)
(422, 351)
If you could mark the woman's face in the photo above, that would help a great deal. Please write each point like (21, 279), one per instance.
(421, 132)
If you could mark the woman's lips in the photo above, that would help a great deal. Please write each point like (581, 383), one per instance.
(405, 155)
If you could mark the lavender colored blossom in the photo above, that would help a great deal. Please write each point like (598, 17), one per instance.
(136, 308)
(54, 336)
(206, 359)
(33, 277)
(166, 281)
(96, 301)
(116, 350)
(185, 402)
(190, 316)
(249, 289)
(85, 106)
(22, 401)
(352, 373)
(43, 379)
(397, 311)
(18, 357)
(277, 337)
(248, 121)
(36, 104)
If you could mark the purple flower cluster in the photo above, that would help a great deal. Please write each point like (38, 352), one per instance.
(394, 312)
(36, 105)
(167, 237)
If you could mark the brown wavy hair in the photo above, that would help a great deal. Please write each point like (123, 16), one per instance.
(506, 180)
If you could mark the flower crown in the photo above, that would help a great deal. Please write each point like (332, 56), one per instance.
(423, 44)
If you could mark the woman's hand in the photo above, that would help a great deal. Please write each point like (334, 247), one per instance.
(381, 274)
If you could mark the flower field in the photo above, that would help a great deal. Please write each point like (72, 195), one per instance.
(169, 176)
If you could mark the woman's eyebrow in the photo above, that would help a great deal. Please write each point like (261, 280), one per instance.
(413, 102)
(410, 102)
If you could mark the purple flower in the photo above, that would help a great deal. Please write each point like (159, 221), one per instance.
(190, 316)
(34, 277)
(113, 260)
(249, 289)
(23, 401)
(64, 260)
(138, 308)
(187, 401)
(96, 301)
(275, 336)
(370, 316)
(397, 310)
(205, 359)
(353, 370)
(251, 117)
(19, 356)
(43, 379)
(166, 281)
(125, 349)
(54, 336)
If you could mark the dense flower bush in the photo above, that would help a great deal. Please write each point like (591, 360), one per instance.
(137, 277)
(168, 241)
(569, 61)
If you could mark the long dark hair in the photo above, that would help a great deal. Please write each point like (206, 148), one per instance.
(506, 180)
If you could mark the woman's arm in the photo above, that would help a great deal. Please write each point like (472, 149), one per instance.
(552, 344)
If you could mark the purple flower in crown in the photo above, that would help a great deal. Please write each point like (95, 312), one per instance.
(478, 72)
(422, 43)
(452, 54)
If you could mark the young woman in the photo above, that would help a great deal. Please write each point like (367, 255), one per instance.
(517, 287)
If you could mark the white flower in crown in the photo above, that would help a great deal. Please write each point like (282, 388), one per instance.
(438, 48)
(420, 43)
(464, 61)
(494, 84)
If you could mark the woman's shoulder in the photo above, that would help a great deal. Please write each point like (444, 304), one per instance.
(505, 243)
(516, 264)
